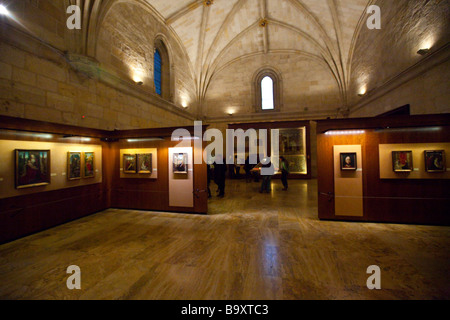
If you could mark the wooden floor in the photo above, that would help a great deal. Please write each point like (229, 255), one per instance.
(251, 246)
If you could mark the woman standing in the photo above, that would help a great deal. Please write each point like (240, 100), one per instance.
(284, 166)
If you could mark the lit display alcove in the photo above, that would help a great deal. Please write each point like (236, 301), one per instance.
(293, 148)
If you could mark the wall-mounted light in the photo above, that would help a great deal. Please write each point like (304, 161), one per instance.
(139, 83)
(4, 11)
(362, 92)
(423, 51)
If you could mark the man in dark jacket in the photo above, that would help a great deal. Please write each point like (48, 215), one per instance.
(219, 175)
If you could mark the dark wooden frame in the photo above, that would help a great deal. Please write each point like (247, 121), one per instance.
(138, 157)
(135, 163)
(16, 171)
(355, 161)
(443, 160)
(69, 157)
(84, 165)
(411, 164)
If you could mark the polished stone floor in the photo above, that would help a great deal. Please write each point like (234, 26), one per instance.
(251, 246)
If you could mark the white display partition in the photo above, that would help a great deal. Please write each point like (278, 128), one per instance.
(348, 185)
(181, 185)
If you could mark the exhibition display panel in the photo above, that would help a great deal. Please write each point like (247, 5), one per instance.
(386, 169)
(52, 173)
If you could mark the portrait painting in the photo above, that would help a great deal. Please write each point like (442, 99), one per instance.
(180, 163)
(435, 161)
(88, 165)
(73, 165)
(129, 163)
(402, 161)
(144, 163)
(32, 168)
(348, 161)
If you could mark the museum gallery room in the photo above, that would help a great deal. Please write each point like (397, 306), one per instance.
(224, 150)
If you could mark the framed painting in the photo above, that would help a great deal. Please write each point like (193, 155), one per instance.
(144, 163)
(435, 161)
(349, 161)
(88, 165)
(73, 165)
(32, 168)
(129, 163)
(402, 161)
(180, 163)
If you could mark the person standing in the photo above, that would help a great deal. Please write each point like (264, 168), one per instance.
(208, 177)
(267, 171)
(219, 175)
(284, 166)
(248, 170)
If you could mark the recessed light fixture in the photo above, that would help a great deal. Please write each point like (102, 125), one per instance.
(423, 51)
(3, 10)
(344, 132)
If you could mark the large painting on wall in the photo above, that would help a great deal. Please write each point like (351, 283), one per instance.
(88, 166)
(73, 165)
(144, 163)
(129, 163)
(435, 161)
(180, 163)
(402, 161)
(32, 168)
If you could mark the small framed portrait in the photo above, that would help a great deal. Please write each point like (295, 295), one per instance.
(73, 165)
(180, 163)
(88, 165)
(402, 161)
(129, 163)
(349, 162)
(144, 163)
(32, 168)
(435, 161)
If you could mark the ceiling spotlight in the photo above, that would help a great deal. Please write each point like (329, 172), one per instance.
(3, 10)
(423, 52)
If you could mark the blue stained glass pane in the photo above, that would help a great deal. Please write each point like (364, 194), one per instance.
(158, 72)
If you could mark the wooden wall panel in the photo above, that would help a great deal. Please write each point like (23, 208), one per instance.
(26, 214)
(386, 200)
(153, 194)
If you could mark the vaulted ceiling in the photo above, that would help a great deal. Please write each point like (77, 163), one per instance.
(216, 33)
(322, 48)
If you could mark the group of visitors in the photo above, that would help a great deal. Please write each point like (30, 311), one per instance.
(217, 172)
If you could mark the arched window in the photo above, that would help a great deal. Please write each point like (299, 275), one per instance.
(158, 72)
(267, 102)
(161, 71)
(267, 90)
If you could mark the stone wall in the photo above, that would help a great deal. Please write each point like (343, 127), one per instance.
(428, 93)
(46, 89)
(313, 92)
